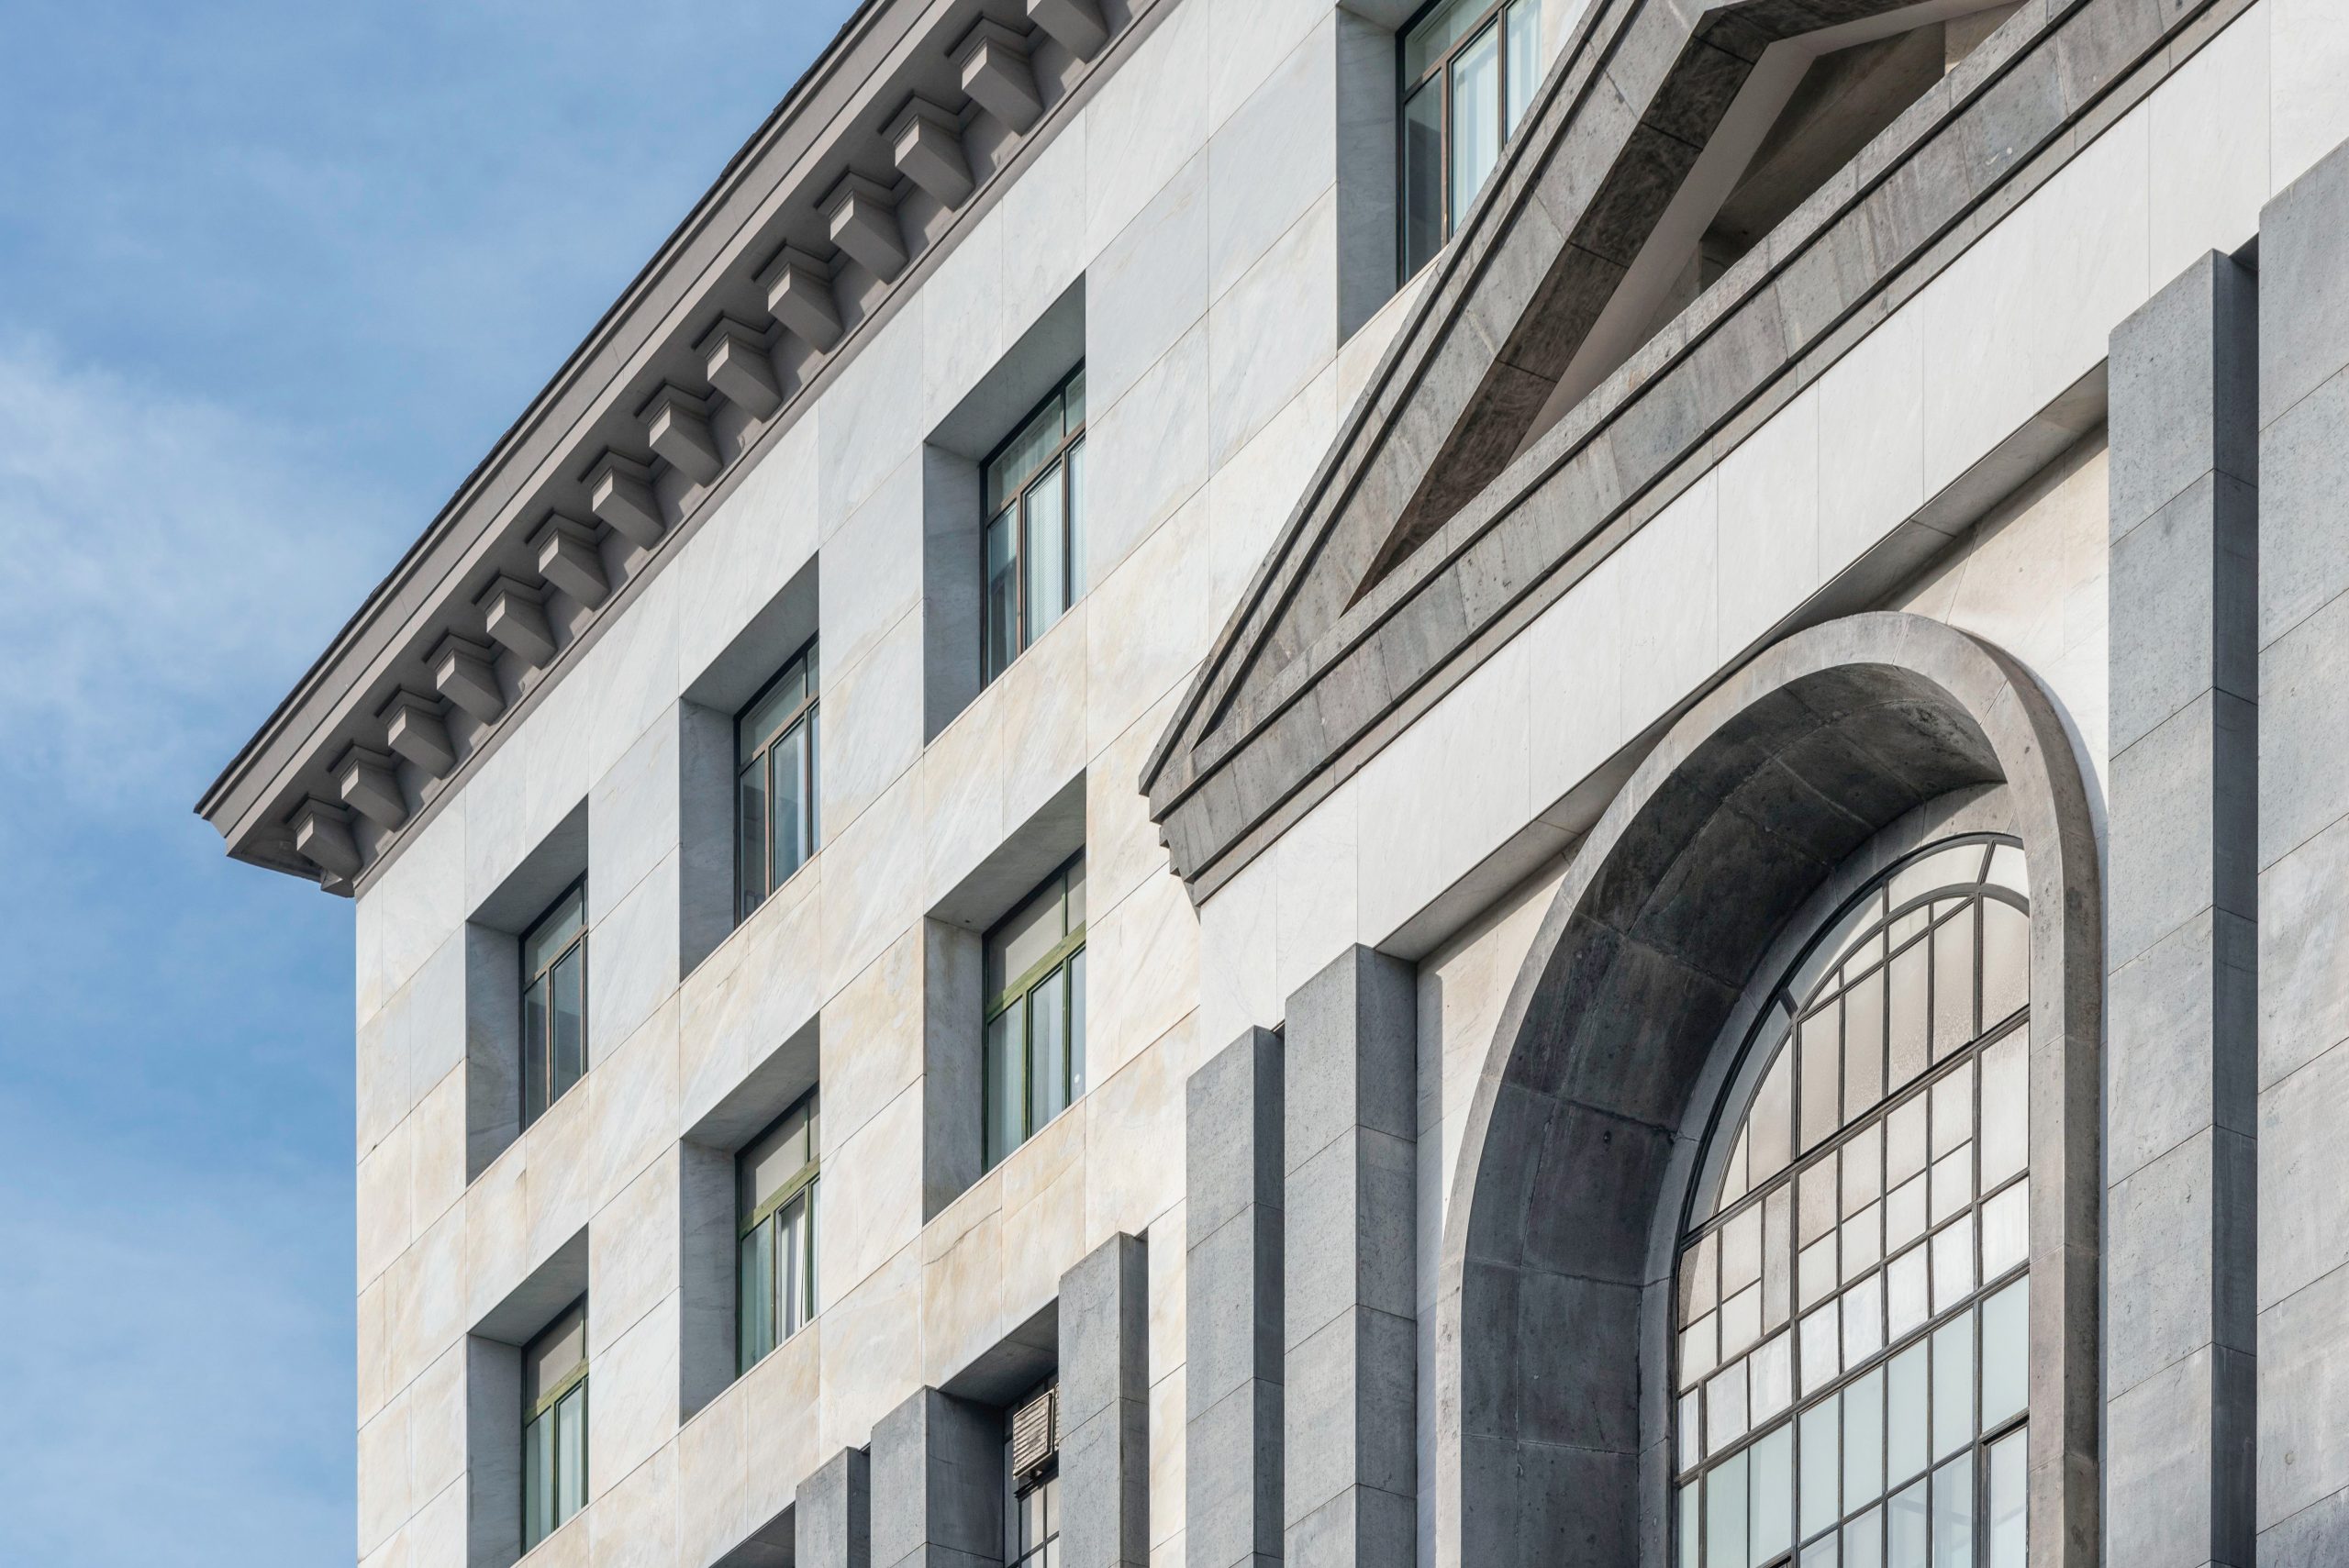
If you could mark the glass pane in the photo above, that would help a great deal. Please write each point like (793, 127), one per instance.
(1904, 1213)
(1426, 43)
(2005, 1524)
(772, 710)
(1819, 1553)
(1725, 1530)
(751, 830)
(1905, 1294)
(1905, 1411)
(754, 1316)
(1864, 1045)
(1777, 1257)
(1816, 1205)
(2006, 1114)
(1908, 1529)
(1954, 984)
(1699, 1349)
(567, 1002)
(1822, 1075)
(1863, 1241)
(1022, 940)
(571, 1454)
(1700, 1277)
(1774, 1496)
(1524, 26)
(1863, 1320)
(1475, 120)
(1773, 1376)
(1954, 1513)
(2005, 1362)
(1905, 1151)
(1048, 1049)
(546, 939)
(1909, 1020)
(2006, 960)
(1864, 1541)
(1017, 463)
(1077, 1026)
(1691, 1538)
(1770, 1123)
(1953, 1112)
(1957, 864)
(2005, 1231)
(1044, 554)
(1741, 1321)
(1820, 1350)
(1002, 636)
(1423, 176)
(1004, 1090)
(538, 1480)
(1822, 1468)
(1817, 1272)
(534, 1050)
(1863, 1439)
(791, 799)
(1725, 1420)
(1953, 1265)
(1953, 1386)
(1742, 1250)
(813, 777)
(1688, 1429)
(1076, 578)
(554, 1355)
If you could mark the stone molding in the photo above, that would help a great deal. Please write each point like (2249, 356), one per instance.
(1768, 786)
(1289, 704)
(654, 419)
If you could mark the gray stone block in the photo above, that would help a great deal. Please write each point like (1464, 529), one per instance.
(1351, 1394)
(2163, 1435)
(2179, 1016)
(2175, 1262)
(2304, 290)
(1351, 1220)
(1357, 1525)
(1351, 1037)
(832, 1514)
(1232, 1324)
(1104, 1406)
(2303, 1389)
(2184, 801)
(2304, 548)
(1232, 1495)
(2303, 954)
(2182, 588)
(1233, 1113)
(2304, 1178)
(2303, 692)
(937, 1483)
(2185, 392)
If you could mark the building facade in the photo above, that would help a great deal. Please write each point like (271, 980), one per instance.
(1520, 782)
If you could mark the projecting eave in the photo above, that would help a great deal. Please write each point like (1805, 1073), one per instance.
(905, 130)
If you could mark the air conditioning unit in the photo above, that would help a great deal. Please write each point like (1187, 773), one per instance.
(1035, 1434)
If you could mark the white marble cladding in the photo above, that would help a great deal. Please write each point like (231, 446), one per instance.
(1177, 525)
(1214, 393)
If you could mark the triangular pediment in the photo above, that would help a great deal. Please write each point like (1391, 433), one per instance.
(1662, 126)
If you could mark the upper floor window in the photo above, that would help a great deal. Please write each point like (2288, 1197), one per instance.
(774, 1180)
(1034, 548)
(1852, 1304)
(1034, 985)
(775, 781)
(554, 1002)
(1469, 71)
(554, 1425)
(1031, 1515)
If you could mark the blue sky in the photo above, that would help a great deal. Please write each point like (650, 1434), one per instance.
(272, 276)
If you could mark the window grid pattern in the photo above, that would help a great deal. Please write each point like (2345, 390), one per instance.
(554, 1002)
(1034, 1023)
(554, 1426)
(775, 1208)
(1851, 1364)
(1034, 544)
(1469, 68)
(775, 782)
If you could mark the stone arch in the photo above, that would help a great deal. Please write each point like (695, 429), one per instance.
(1549, 1436)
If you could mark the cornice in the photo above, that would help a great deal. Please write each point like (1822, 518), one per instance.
(703, 361)
(1238, 762)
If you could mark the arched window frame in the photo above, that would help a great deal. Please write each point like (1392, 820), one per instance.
(1766, 1030)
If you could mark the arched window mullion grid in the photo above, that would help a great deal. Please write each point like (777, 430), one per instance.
(1850, 1371)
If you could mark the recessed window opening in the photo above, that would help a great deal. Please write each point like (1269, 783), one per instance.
(1031, 1515)
(776, 1225)
(554, 1425)
(775, 754)
(554, 1002)
(1033, 970)
(1469, 68)
(1034, 546)
(1850, 1366)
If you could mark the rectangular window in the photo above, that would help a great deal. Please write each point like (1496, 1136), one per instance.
(774, 1185)
(554, 1425)
(1034, 549)
(554, 1002)
(775, 782)
(1032, 1475)
(1469, 68)
(1034, 1030)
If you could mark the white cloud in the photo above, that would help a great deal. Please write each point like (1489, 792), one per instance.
(166, 557)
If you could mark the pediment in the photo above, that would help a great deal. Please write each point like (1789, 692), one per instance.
(1532, 399)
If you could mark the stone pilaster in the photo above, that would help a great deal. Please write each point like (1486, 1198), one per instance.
(1105, 1407)
(937, 1469)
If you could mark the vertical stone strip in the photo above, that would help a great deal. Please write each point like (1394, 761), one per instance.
(2303, 1297)
(1105, 1407)
(1231, 1427)
(937, 1481)
(2182, 948)
(1350, 1332)
(832, 1514)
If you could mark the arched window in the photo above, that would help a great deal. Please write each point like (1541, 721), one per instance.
(1849, 1382)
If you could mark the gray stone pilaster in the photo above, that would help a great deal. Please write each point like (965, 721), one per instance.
(1105, 1407)
(1231, 1378)
(2182, 945)
(1350, 1328)
(937, 1469)
(2302, 1280)
(832, 1514)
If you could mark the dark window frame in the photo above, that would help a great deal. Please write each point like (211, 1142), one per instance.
(805, 716)
(1066, 956)
(1023, 631)
(803, 1183)
(547, 1407)
(542, 1050)
(1438, 75)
